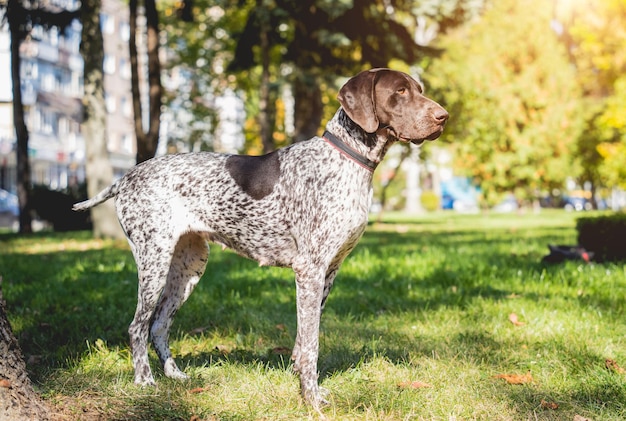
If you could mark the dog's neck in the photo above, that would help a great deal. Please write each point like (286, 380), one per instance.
(373, 146)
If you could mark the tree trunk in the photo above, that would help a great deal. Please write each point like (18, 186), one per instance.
(147, 141)
(308, 107)
(21, 132)
(98, 167)
(18, 399)
(265, 101)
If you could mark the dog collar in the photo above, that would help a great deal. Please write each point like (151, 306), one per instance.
(348, 152)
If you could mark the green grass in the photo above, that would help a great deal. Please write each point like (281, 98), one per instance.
(422, 299)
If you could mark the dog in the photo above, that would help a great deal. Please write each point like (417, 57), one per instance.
(304, 206)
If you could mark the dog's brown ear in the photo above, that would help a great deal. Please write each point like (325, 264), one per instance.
(357, 99)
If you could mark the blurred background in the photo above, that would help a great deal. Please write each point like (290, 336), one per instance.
(536, 91)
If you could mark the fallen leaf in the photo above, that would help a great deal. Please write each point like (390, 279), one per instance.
(549, 405)
(197, 331)
(613, 366)
(413, 385)
(514, 319)
(5, 383)
(281, 327)
(34, 359)
(281, 350)
(199, 390)
(581, 418)
(224, 349)
(515, 378)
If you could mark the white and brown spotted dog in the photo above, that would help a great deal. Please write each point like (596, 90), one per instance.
(304, 207)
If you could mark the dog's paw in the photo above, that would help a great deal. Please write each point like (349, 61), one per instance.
(172, 371)
(317, 397)
(324, 396)
(145, 382)
(143, 374)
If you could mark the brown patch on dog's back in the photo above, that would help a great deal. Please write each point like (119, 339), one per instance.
(256, 175)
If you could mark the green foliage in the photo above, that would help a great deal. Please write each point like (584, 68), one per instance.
(596, 40)
(420, 299)
(612, 147)
(513, 100)
(330, 36)
(604, 235)
(199, 51)
(596, 37)
(312, 41)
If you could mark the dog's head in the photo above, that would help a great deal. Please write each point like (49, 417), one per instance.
(387, 99)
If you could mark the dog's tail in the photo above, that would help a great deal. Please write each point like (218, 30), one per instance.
(103, 196)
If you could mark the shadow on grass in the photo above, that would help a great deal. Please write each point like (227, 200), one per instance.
(60, 300)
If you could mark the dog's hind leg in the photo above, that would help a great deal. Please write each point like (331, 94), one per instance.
(152, 270)
(186, 269)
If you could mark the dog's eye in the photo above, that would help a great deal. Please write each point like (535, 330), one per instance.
(401, 91)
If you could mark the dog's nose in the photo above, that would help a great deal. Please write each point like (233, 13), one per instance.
(441, 115)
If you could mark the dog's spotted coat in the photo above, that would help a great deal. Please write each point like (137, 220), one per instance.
(304, 207)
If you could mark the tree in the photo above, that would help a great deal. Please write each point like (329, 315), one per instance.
(513, 100)
(198, 49)
(323, 41)
(261, 19)
(18, 399)
(17, 18)
(98, 168)
(271, 44)
(595, 38)
(263, 48)
(612, 147)
(147, 140)
(596, 41)
(21, 20)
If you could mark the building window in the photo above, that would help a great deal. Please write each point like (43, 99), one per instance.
(109, 64)
(29, 69)
(37, 33)
(125, 68)
(53, 36)
(59, 80)
(64, 127)
(127, 106)
(48, 81)
(110, 102)
(112, 142)
(46, 122)
(127, 144)
(107, 23)
(76, 83)
(124, 31)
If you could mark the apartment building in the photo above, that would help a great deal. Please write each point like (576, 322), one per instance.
(52, 89)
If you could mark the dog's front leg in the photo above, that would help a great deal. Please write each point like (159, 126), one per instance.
(309, 293)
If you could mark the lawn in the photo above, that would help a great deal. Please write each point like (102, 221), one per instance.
(431, 318)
